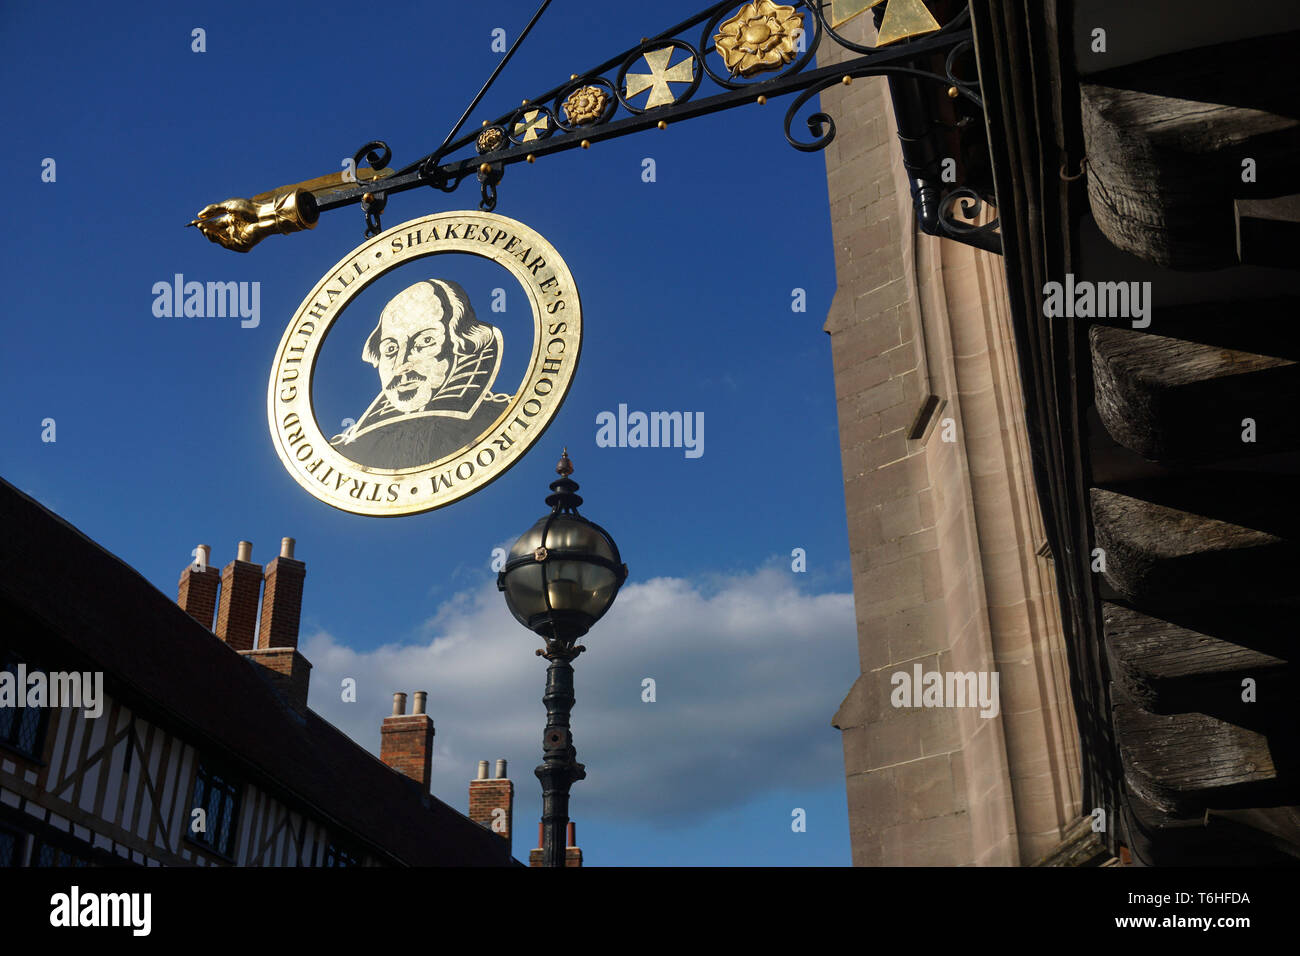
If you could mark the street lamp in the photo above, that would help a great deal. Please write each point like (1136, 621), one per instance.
(559, 579)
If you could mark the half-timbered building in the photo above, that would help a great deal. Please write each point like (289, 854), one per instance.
(202, 750)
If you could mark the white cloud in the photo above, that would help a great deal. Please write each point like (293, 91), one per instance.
(748, 672)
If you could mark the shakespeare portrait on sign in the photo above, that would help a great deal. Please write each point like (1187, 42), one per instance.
(436, 363)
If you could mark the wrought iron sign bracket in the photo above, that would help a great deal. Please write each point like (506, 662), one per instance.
(744, 41)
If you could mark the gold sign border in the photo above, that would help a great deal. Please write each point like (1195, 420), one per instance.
(557, 318)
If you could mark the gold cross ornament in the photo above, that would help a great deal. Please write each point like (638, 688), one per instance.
(660, 75)
(903, 18)
(534, 124)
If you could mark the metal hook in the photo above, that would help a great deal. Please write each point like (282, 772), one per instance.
(1083, 168)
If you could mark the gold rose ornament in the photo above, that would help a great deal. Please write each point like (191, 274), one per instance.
(585, 105)
(762, 36)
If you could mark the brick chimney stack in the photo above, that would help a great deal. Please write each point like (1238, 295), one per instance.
(197, 591)
(277, 641)
(282, 599)
(492, 801)
(406, 741)
(572, 852)
(241, 585)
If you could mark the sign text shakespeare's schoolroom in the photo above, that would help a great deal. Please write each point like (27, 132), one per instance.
(439, 428)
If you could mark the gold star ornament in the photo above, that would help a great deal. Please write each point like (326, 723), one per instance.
(660, 75)
(762, 36)
(903, 18)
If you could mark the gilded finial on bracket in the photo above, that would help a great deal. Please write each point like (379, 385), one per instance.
(240, 224)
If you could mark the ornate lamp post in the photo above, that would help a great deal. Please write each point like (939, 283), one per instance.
(560, 578)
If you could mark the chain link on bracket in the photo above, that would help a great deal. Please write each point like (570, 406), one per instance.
(377, 154)
(489, 174)
(372, 204)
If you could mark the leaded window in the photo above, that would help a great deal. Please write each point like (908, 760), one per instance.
(22, 728)
(216, 792)
(10, 846)
(337, 856)
(46, 854)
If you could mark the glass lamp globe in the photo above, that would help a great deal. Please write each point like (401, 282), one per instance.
(564, 572)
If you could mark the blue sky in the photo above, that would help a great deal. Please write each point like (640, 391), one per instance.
(686, 285)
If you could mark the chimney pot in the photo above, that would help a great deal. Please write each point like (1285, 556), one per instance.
(501, 769)
(196, 592)
(241, 589)
(281, 599)
(572, 854)
(489, 799)
(420, 697)
(406, 743)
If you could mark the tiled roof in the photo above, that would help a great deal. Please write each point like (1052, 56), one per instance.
(168, 666)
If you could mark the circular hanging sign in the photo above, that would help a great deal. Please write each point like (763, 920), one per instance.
(437, 425)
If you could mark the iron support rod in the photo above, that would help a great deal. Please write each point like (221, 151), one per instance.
(437, 154)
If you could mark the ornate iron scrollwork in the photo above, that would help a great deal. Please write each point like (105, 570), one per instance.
(972, 203)
(745, 52)
(730, 54)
